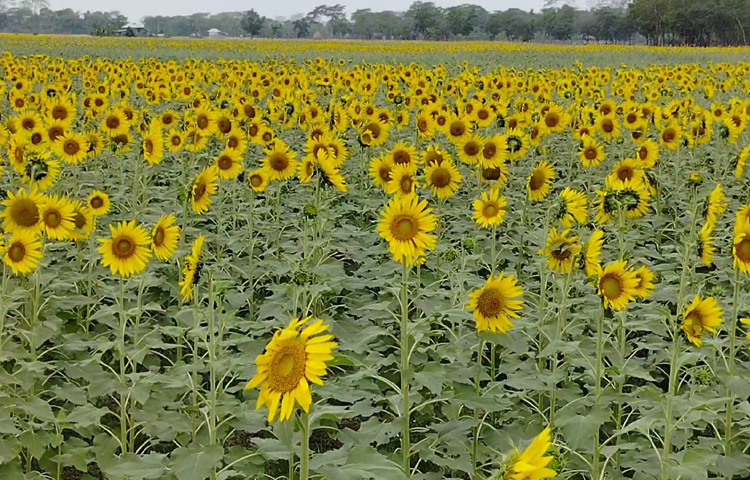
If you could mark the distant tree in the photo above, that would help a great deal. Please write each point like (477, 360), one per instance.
(494, 25)
(428, 20)
(301, 28)
(276, 29)
(252, 23)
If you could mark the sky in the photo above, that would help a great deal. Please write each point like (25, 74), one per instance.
(137, 9)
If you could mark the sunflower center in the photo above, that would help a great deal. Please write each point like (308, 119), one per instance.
(256, 180)
(401, 157)
(113, 122)
(590, 153)
(287, 367)
(202, 122)
(36, 138)
(233, 142)
(148, 146)
(404, 228)
(668, 135)
(552, 120)
(28, 124)
(17, 252)
(561, 253)
(97, 202)
(225, 162)
(441, 177)
(694, 323)
(71, 147)
(249, 110)
(384, 172)
(225, 126)
(123, 247)
(167, 119)
(52, 218)
(491, 173)
(483, 114)
(610, 286)
(490, 210)
(643, 153)
(537, 180)
(176, 140)
(25, 213)
(743, 250)
(279, 162)
(457, 129)
(253, 130)
(491, 302)
(625, 173)
(632, 117)
(159, 236)
(608, 126)
(80, 220)
(406, 184)
(199, 191)
(471, 148)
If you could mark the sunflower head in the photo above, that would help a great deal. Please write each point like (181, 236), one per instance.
(496, 303)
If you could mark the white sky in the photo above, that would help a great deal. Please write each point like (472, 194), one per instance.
(136, 9)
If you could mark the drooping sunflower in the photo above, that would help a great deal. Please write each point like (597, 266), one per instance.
(561, 250)
(127, 251)
(23, 211)
(99, 203)
(574, 207)
(591, 259)
(72, 147)
(153, 145)
(83, 220)
(292, 361)
(58, 218)
(23, 252)
(645, 282)
(380, 170)
(489, 209)
(191, 271)
(229, 163)
(164, 237)
(443, 179)
(258, 180)
(617, 285)
(531, 464)
(706, 247)
(497, 303)
(539, 183)
(205, 185)
(717, 204)
(703, 315)
(96, 144)
(406, 223)
(280, 162)
(194, 140)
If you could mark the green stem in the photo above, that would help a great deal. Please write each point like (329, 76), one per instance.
(123, 395)
(494, 247)
(405, 372)
(212, 340)
(731, 362)
(304, 471)
(558, 336)
(598, 390)
(477, 426)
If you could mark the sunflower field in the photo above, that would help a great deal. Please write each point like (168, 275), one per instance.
(303, 266)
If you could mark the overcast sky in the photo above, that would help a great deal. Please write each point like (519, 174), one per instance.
(137, 9)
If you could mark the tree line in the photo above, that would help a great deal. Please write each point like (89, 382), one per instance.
(656, 22)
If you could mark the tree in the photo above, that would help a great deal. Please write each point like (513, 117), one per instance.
(301, 28)
(252, 23)
(428, 20)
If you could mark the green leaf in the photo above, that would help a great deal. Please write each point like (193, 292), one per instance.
(579, 430)
(136, 467)
(363, 463)
(86, 415)
(196, 462)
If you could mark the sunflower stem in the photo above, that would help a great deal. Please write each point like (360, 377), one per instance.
(598, 389)
(3, 303)
(558, 336)
(405, 430)
(304, 469)
(494, 247)
(121, 347)
(731, 362)
(477, 387)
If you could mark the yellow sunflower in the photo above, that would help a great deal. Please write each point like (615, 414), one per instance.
(72, 147)
(115, 123)
(561, 250)
(496, 303)
(380, 170)
(127, 252)
(153, 146)
(204, 186)
(489, 209)
(706, 246)
(23, 252)
(443, 179)
(258, 180)
(292, 361)
(280, 162)
(574, 207)
(494, 152)
(703, 315)
(402, 182)
(164, 237)
(717, 204)
(58, 218)
(404, 155)
(645, 282)
(531, 464)
(591, 152)
(99, 203)
(539, 183)
(192, 269)
(591, 261)
(647, 154)
(617, 285)
(229, 163)
(175, 141)
(406, 224)
(84, 221)
(23, 211)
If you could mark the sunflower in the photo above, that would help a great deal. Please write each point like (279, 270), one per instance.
(175, 141)
(280, 162)
(470, 149)
(496, 303)
(717, 204)
(291, 361)
(84, 221)
(127, 252)
(704, 314)
(380, 170)
(237, 140)
(531, 464)
(23, 211)
(58, 218)
(194, 140)
(443, 179)
(645, 282)
(377, 131)
(494, 152)
(71, 147)
(741, 161)
(539, 183)
(425, 125)
(554, 120)
(192, 270)
(670, 136)
(617, 285)
(518, 143)
(608, 126)
(169, 118)
(647, 154)
(205, 121)
(591, 259)
(30, 121)
(96, 144)
(153, 146)
(164, 237)
(258, 180)
(406, 223)
(17, 153)
(40, 172)
(115, 123)
(99, 203)
(561, 250)
(404, 155)
(574, 207)
(706, 246)
(23, 252)
(457, 129)
(489, 209)
(229, 163)
(402, 182)
(331, 174)
(205, 185)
